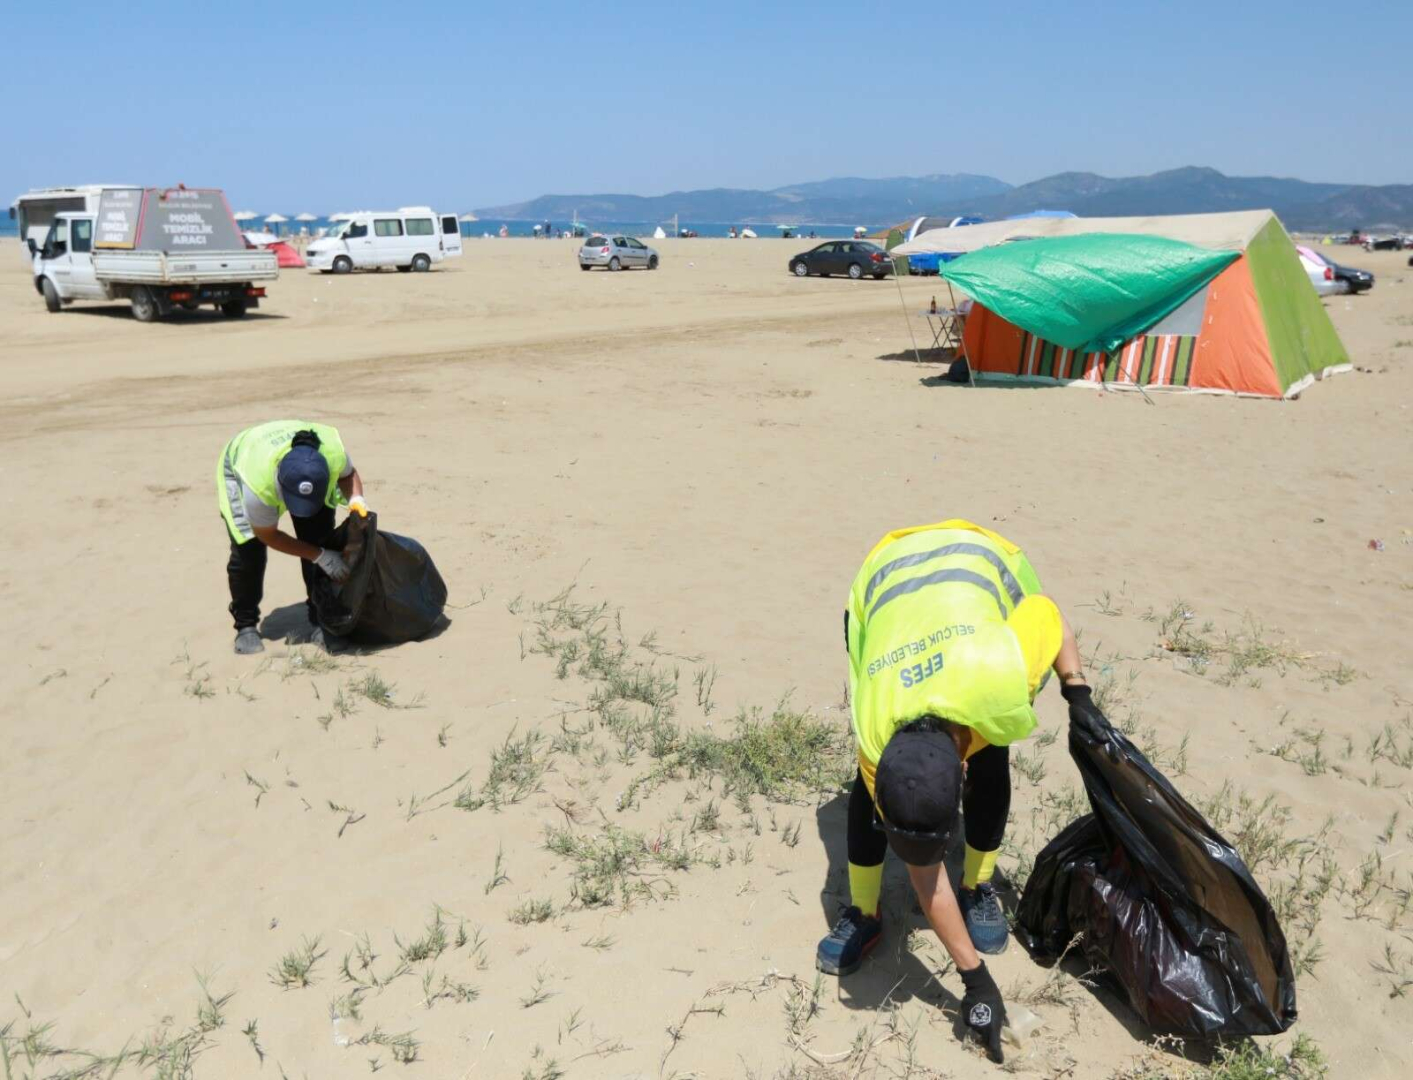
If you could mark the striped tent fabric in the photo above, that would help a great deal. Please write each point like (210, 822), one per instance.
(1147, 360)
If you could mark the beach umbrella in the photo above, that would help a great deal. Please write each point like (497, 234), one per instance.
(468, 217)
(276, 220)
(306, 216)
(245, 215)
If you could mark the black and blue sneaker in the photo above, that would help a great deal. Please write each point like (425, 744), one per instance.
(986, 922)
(843, 949)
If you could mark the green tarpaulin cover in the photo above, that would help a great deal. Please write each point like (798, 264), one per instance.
(1091, 292)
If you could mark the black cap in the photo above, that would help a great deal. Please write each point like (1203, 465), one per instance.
(918, 791)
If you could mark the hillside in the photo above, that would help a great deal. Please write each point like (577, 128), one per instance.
(856, 200)
(844, 200)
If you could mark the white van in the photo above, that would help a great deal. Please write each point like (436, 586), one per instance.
(34, 211)
(410, 238)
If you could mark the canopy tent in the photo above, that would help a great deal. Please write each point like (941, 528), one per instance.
(1230, 230)
(1207, 302)
(286, 256)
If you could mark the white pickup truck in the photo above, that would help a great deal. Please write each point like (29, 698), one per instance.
(158, 249)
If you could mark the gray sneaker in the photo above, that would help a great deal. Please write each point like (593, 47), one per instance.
(986, 922)
(247, 641)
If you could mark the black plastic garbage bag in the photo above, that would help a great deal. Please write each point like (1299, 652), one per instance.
(1165, 905)
(393, 592)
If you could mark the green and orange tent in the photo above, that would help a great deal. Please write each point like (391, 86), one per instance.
(1215, 303)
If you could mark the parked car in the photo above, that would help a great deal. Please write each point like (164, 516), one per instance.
(616, 253)
(1356, 280)
(1347, 278)
(1321, 274)
(853, 257)
(1383, 243)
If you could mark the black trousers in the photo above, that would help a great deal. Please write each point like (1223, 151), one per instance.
(986, 803)
(245, 570)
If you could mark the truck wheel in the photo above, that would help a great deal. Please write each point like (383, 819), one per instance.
(51, 295)
(421, 264)
(144, 306)
(233, 309)
(343, 264)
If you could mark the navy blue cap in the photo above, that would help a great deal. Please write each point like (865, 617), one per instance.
(304, 481)
(918, 792)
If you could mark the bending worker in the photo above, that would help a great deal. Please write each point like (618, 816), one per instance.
(265, 470)
(949, 641)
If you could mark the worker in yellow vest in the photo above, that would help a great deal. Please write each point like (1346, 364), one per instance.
(949, 641)
(282, 465)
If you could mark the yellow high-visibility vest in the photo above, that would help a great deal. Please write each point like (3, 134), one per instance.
(929, 635)
(254, 457)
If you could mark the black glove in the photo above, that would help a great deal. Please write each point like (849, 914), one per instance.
(1085, 716)
(983, 1011)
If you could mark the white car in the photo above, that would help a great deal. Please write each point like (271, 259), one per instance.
(1321, 274)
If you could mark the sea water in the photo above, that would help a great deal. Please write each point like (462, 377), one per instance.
(492, 226)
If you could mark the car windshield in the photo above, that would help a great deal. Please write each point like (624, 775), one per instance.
(596, 241)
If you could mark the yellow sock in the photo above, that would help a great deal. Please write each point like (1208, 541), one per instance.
(979, 867)
(865, 883)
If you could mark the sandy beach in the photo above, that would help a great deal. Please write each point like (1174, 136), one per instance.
(707, 451)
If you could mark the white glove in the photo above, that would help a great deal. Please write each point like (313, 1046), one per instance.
(331, 562)
(356, 505)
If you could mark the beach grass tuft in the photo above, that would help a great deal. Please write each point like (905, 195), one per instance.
(295, 969)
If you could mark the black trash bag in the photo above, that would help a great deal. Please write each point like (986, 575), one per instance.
(393, 592)
(1165, 905)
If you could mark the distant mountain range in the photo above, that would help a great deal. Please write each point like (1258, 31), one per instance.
(853, 200)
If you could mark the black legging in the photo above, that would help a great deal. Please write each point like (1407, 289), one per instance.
(245, 569)
(986, 803)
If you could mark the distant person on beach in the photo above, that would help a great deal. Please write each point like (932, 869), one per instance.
(949, 641)
(282, 465)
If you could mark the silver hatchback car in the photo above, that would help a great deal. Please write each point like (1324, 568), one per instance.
(616, 253)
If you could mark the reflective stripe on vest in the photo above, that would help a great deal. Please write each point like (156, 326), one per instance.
(1008, 580)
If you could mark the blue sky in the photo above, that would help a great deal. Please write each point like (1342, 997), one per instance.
(311, 106)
